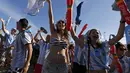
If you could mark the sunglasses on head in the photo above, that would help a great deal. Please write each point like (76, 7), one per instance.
(60, 21)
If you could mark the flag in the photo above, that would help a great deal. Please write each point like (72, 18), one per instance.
(115, 7)
(77, 20)
(34, 7)
(7, 22)
(124, 10)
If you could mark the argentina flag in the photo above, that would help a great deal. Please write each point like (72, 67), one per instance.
(34, 7)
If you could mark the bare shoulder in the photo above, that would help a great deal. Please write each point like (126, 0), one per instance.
(54, 34)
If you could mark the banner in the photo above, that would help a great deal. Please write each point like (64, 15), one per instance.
(116, 8)
(77, 20)
(127, 33)
(34, 7)
(124, 10)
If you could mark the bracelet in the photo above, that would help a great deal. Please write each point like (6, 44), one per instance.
(122, 21)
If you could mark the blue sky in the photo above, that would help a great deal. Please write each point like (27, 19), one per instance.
(96, 13)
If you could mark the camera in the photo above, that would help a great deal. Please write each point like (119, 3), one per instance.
(43, 30)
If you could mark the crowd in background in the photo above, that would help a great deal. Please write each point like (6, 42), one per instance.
(23, 52)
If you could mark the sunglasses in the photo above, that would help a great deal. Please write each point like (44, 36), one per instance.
(60, 21)
(122, 49)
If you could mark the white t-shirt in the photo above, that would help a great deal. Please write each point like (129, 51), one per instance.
(9, 38)
(125, 64)
(20, 52)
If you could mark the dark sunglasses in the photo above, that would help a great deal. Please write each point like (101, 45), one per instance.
(60, 21)
(122, 49)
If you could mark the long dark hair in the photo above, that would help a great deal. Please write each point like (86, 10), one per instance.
(71, 46)
(99, 43)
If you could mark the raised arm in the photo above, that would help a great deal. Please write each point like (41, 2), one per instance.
(76, 39)
(38, 33)
(120, 33)
(3, 26)
(36, 36)
(51, 18)
(42, 37)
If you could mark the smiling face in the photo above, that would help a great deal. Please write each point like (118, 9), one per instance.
(60, 25)
(94, 35)
(121, 50)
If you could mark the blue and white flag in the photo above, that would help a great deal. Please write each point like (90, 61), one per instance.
(7, 22)
(115, 7)
(127, 33)
(77, 20)
(34, 6)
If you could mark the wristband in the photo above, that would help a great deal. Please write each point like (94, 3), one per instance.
(122, 21)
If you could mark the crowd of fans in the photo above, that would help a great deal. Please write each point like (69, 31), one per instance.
(21, 51)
